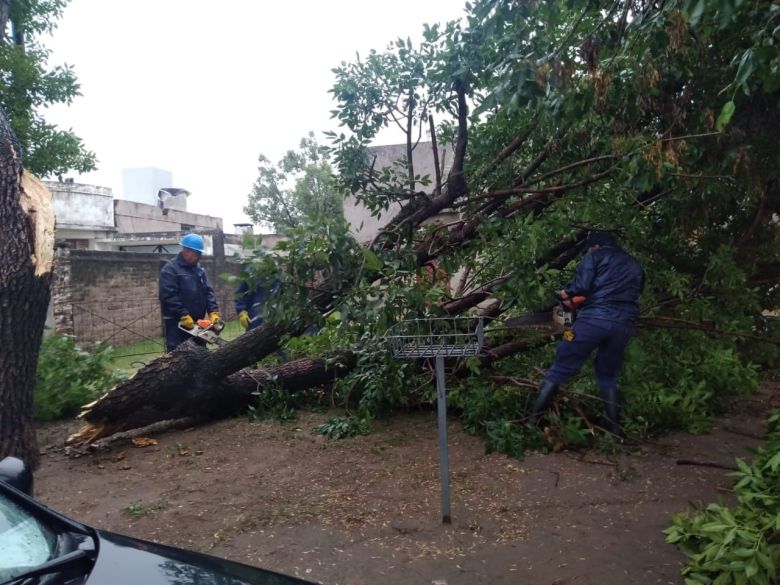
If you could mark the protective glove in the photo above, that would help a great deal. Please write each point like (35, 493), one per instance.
(216, 321)
(187, 322)
(243, 318)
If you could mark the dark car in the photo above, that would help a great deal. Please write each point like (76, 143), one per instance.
(41, 546)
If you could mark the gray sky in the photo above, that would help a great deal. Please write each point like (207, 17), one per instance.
(201, 88)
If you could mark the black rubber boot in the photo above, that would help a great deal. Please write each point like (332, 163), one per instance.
(611, 423)
(547, 392)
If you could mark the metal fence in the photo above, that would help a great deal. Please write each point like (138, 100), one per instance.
(133, 327)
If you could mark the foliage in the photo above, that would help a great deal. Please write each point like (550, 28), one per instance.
(390, 88)
(679, 381)
(735, 545)
(274, 403)
(28, 84)
(340, 427)
(69, 377)
(300, 185)
(653, 120)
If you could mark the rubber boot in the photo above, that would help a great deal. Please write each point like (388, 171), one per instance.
(611, 399)
(547, 392)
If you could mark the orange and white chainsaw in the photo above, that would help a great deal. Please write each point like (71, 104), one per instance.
(563, 315)
(206, 330)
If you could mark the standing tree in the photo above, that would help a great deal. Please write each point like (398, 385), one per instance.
(301, 185)
(26, 215)
(28, 83)
(27, 244)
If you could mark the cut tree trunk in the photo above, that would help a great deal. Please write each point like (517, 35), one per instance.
(165, 389)
(26, 256)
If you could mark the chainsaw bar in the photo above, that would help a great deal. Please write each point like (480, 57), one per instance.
(530, 319)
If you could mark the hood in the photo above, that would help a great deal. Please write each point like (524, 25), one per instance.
(123, 560)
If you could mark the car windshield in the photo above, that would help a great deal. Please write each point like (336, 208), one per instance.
(24, 541)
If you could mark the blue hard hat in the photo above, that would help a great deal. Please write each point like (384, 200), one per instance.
(193, 242)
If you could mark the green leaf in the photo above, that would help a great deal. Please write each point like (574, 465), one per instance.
(695, 11)
(726, 112)
(372, 260)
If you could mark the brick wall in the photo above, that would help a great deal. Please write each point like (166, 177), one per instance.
(113, 296)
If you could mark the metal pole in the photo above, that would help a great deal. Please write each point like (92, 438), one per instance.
(441, 401)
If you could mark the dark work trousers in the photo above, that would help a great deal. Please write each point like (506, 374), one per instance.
(609, 338)
(174, 336)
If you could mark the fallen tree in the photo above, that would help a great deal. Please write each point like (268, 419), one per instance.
(578, 128)
(140, 403)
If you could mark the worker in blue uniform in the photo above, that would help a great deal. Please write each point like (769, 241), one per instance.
(250, 297)
(611, 280)
(185, 293)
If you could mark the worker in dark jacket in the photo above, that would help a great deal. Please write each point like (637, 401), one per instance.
(250, 296)
(185, 293)
(611, 281)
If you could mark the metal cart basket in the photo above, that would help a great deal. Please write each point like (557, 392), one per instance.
(438, 338)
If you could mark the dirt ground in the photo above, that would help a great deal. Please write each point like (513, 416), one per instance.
(367, 510)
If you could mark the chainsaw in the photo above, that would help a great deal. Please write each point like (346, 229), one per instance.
(206, 330)
(562, 315)
(565, 312)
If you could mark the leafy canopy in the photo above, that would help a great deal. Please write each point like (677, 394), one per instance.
(300, 185)
(656, 121)
(28, 84)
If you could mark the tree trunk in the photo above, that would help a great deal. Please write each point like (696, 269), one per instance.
(27, 245)
(164, 390)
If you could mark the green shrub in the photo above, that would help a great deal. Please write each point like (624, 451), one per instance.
(340, 427)
(741, 544)
(69, 377)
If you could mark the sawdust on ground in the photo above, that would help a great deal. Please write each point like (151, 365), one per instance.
(367, 509)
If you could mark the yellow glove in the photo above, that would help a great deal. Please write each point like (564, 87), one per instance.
(243, 318)
(216, 320)
(187, 322)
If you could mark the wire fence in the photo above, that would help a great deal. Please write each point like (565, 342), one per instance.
(132, 327)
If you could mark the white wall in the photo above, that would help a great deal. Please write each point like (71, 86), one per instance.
(81, 207)
(364, 226)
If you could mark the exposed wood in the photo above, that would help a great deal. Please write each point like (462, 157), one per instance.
(26, 242)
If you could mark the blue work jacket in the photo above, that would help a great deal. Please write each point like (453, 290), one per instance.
(250, 300)
(250, 297)
(185, 290)
(611, 281)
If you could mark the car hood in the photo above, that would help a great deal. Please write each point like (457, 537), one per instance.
(123, 560)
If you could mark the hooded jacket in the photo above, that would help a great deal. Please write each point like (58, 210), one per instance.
(611, 281)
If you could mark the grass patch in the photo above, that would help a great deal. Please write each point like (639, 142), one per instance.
(128, 359)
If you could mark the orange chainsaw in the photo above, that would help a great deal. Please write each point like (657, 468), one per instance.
(562, 315)
(565, 313)
(206, 330)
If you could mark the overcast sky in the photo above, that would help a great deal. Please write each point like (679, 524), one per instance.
(201, 88)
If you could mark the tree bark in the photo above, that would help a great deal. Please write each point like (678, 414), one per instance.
(27, 253)
(163, 390)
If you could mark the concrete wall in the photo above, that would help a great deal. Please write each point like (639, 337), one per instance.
(364, 226)
(81, 207)
(113, 296)
(138, 218)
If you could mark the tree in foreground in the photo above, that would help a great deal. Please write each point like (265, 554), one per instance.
(27, 242)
